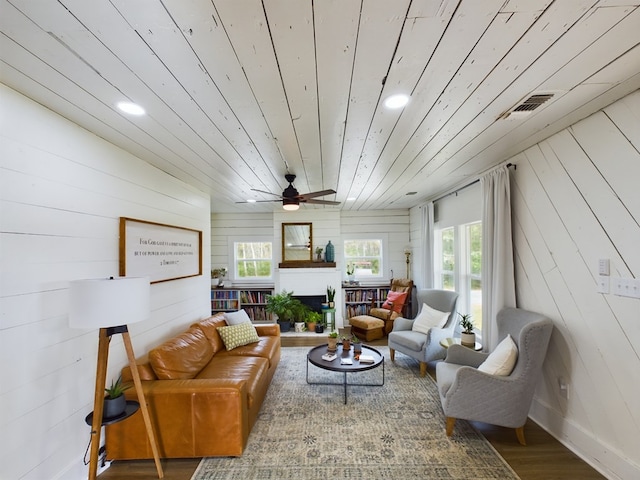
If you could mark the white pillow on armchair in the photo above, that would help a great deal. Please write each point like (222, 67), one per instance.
(429, 318)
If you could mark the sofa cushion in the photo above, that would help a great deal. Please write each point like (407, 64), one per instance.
(397, 298)
(251, 369)
(266, 347)
(502, 360)
(210, 329)
(182, 356)
(409, 339)
(237, 335)
(234, 318)
(429, 318)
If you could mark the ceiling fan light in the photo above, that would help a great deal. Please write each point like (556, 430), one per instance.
(396, 101)
(290, 204)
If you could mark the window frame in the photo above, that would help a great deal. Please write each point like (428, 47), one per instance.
(367, 237)
(233, 272)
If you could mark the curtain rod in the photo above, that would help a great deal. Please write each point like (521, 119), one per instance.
(467, 185)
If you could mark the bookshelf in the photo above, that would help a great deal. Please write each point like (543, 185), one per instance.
(357, 299)
(251, 300)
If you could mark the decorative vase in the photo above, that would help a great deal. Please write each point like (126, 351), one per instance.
(114, 407)
(346, 345)
(357, 347)
(332, 344)
(311, 326)
(285, 326)
(468, 339)
(299, 327)
(329, 252)
(319, 328)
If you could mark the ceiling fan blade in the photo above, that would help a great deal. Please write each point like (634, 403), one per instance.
(268, 193)
(262, 201)
(321, 193)
(320, 202)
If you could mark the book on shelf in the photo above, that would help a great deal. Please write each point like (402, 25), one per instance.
(329, 357)
(366, 359)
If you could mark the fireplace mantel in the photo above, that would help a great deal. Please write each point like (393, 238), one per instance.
(307, 265)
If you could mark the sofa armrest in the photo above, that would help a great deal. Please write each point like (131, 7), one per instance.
(465, 356)
(268, 330)
(191, 418)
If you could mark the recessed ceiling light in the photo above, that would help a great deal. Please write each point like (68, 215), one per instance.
(131, 108)
(351, 199)
(396, 101)
(251, 200)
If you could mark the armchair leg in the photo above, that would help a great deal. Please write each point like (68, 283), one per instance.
(450, 424)
(520, 435)
(423, 369)
(392, 354)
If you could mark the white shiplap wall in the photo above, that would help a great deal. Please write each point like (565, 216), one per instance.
(575, 201)
(62, 191)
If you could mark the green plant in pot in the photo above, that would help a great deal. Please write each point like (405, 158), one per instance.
(115, 401)
(331, 295)
(467, 336)
(285, 307)
(313, 320)
(332, 341)
(357, 344)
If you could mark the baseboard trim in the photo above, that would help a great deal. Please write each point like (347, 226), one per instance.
(600, 456)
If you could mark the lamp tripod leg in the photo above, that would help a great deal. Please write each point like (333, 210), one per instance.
(98, 402)
(143, 403)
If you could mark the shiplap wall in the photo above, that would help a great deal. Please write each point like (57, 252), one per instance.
(576, 200)
(327, 225)
(62, 193)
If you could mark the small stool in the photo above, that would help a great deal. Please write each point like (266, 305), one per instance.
(367, 328)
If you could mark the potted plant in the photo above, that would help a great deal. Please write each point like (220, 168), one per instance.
(346, 343)
(350, 272)
(320, 324)
(318, 254)
(332, 341)
(357, 344)
(219, 274)
(312, 320)
(115, 401)
(285, 307)
(331, 295)
(467, 337)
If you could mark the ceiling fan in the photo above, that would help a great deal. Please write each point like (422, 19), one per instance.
(291, 199)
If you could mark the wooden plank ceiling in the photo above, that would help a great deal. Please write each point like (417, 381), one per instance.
(240, 92)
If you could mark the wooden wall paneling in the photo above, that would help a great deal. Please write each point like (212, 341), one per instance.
(335, 40)
(380, 25)
(625, 116)
(581, 306)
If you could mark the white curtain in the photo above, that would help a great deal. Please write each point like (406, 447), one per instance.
(426, 260)
(498, 281)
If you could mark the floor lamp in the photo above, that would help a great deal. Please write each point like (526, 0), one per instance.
(110, 305)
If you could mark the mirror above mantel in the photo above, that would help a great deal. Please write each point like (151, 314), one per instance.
(297, 243)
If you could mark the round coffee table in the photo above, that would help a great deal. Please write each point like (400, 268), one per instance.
(314, 357)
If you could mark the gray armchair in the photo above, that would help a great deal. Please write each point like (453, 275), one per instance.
(470, 394)
(420, 346)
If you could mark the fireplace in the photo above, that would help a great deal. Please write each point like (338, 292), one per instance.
(314, 302)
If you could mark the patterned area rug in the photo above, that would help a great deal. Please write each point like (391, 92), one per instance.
(394, 431)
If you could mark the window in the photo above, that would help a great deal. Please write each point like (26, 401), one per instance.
(458, 261)
(253, 260)
(365, 255)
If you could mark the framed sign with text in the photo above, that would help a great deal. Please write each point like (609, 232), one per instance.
(160, 252)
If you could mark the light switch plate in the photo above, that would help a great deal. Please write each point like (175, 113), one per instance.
(603, 266)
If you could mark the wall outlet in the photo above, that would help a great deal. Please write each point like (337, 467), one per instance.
(603, 284)
(564, 388)
(625, 287)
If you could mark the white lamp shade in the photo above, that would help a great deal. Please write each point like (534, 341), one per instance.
(102, 303)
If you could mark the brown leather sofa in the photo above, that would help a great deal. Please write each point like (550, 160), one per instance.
(203, 399)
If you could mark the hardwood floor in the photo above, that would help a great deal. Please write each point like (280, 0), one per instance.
(544, 458)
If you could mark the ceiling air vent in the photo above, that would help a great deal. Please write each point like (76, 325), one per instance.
(528, 105)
